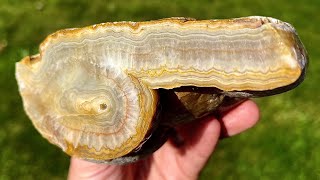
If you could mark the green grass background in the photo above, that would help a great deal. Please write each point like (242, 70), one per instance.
(285, 144)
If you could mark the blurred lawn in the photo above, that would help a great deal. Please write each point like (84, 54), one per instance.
(285, 144)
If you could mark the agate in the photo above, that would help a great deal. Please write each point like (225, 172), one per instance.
(113, 92)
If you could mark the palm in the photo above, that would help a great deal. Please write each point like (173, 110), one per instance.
(171, 161)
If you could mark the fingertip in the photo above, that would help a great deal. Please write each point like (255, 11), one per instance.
(239, 119)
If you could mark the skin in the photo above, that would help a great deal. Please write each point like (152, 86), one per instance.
(184, 161)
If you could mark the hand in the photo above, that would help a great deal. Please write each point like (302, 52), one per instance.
(170, 161)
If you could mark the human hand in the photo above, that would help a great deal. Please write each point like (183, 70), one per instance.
(170, 161)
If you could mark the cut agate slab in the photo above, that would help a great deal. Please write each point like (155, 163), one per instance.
(113, 92)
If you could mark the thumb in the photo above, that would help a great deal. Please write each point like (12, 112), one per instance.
(81, 169)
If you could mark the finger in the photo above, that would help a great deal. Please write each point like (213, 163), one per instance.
(200, 132)
(200, 138)
(239, 119)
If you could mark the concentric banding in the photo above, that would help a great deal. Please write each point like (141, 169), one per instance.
(92, 110)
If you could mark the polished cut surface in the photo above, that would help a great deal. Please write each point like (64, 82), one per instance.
(94, 91)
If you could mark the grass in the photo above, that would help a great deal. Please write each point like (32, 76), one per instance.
(284, 144)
